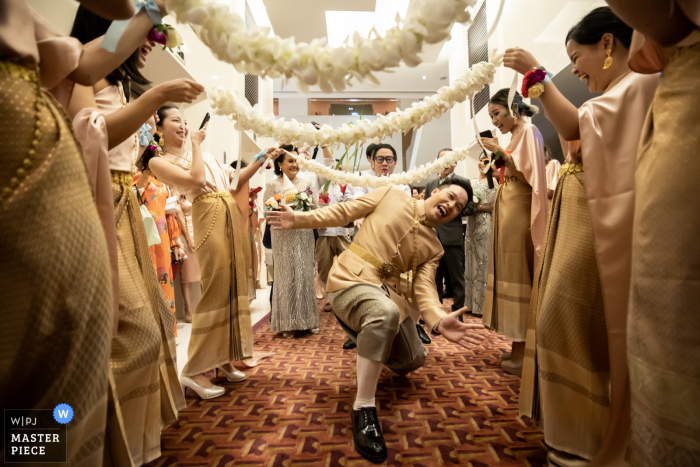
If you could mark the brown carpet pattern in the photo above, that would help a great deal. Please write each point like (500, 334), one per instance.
(292, 411)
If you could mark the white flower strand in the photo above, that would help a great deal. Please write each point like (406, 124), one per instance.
(226, 103)
(254, 52)
(419, 173)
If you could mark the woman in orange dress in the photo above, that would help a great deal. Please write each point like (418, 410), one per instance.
(153, 194)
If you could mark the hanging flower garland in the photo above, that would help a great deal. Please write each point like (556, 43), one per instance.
(254, 52)
(419, 173)
(226, 103)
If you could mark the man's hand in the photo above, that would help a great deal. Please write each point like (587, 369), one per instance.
(282, 220)
(358, 222)
(460, 333)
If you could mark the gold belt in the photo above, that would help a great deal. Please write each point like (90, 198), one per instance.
(570, 169)
(216, 194)
(122, 178)
(19, 71)
(510, 178)
(385, 269)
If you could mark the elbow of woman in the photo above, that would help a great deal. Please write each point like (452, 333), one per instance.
(200, 183)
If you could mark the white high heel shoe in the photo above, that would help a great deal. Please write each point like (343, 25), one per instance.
(203, 393)
(235, 376)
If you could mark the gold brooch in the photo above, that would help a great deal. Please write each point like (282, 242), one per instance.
(386, 270)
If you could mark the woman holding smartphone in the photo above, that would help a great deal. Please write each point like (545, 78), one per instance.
(221, 326)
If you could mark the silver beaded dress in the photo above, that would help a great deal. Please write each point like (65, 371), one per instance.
(293, 297)
(477, 245)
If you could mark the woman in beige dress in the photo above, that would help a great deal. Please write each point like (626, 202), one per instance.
(583, 287)
(221, 326)
(143, 352)
(664, 348)
(519, 221)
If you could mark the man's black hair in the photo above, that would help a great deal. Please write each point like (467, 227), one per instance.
(234, 164)
(383, 146)
(369, 152)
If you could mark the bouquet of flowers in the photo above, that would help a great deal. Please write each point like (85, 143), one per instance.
(478, 193)
(302, 200)
(273, 204)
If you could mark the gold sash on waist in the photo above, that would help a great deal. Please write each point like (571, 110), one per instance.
(122, 178)
(385, 269)
(216, 194)
(570, 169)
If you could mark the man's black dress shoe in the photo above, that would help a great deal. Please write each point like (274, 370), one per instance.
(349, 344)
(367, 434)
(422, 335)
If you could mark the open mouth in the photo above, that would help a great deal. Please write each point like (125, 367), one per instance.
(442, 211)
(500, 127)
(584, 77)
(145, 50)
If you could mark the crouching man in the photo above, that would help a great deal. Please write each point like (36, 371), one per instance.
(378, 308)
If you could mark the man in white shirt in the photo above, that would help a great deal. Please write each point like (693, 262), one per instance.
(332, 241)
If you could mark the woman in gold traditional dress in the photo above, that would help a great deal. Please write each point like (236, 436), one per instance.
(143, 351)
(664, 348)
(519, 221)
(221, 326)
(56, 293)
(583, 286)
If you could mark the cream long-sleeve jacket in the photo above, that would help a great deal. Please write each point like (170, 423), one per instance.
(386, 234)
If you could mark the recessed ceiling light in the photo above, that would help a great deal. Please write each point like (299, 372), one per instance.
(214, 77)
(424, 77)
(349, 108)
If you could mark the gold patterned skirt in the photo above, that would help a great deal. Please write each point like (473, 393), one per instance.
(143, 353)
(566, 372)
(663, 325)
(509, 283)
(56, 292)
(221, 327)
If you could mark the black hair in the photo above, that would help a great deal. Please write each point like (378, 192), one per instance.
(383, 146)
(501, 98)
(147, 155)
(87, 27)
(234, 164)
(459, 181)
(280, 158)
(443, 150)
(369, 152)
(600, 21)
(161, 113)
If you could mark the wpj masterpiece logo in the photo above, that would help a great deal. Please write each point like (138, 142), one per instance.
(37, 435)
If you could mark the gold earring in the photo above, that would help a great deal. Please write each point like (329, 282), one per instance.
(161, 140)
(608, 60)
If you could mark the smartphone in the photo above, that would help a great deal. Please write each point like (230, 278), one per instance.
(486, 134)
(204, 122)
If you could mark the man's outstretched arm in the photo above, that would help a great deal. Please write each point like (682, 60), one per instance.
(337, 215)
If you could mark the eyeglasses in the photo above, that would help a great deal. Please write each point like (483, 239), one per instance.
(389, 160)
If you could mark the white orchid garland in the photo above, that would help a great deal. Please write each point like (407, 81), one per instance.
(254, 52)
(226, 103)
(404, 178)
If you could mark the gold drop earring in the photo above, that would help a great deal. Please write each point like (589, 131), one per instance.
(161, 140)
(608, 59)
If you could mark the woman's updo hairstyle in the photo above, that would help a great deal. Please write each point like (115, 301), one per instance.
(600, 21)
(162, 114)
(501, 98)
(280, 158)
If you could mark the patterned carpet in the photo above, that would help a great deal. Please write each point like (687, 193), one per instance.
(292, 411)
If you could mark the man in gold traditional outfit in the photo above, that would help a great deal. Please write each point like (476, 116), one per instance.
(374, 304)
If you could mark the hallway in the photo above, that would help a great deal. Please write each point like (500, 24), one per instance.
(460, 409)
